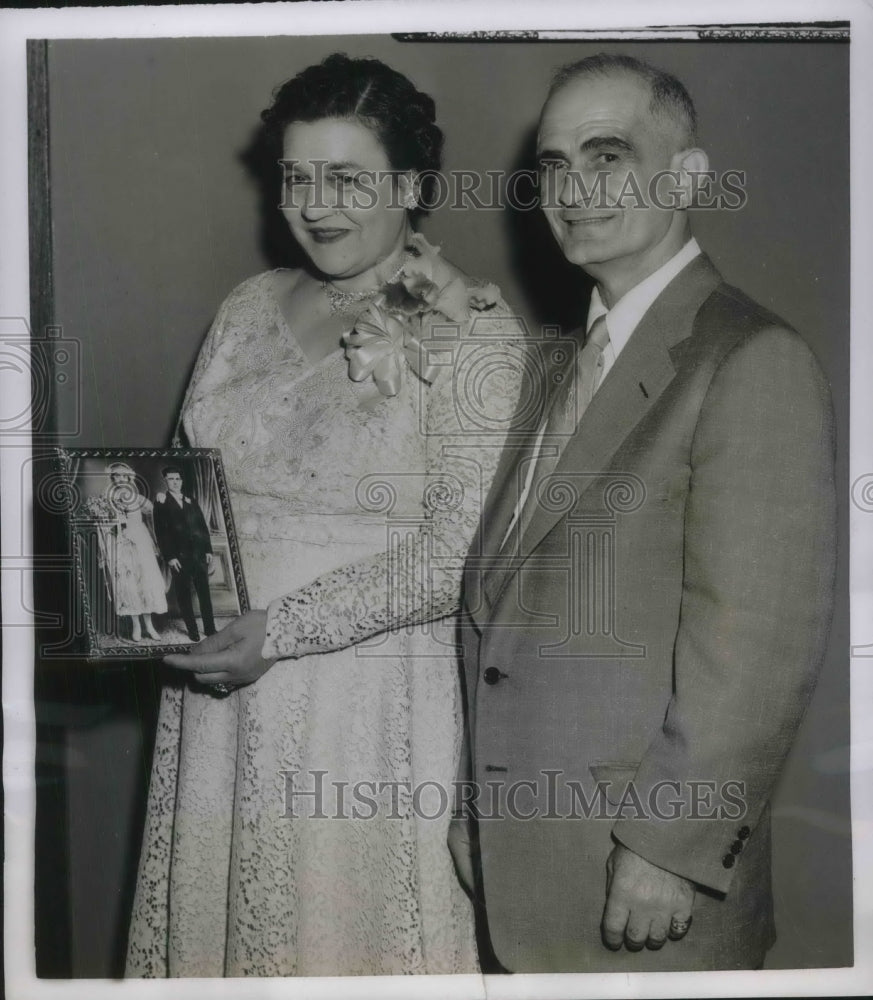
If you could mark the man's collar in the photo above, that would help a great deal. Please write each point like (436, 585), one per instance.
(626, 314)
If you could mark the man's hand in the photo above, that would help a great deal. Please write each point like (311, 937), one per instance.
(175, 565)
(208, 560)
(231, 656)
(644, 904)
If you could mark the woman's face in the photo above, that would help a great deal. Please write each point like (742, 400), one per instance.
(342, 200)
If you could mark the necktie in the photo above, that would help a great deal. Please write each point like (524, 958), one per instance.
(572, 399)
(569, 403)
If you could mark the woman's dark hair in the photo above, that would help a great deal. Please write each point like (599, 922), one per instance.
(368, 91)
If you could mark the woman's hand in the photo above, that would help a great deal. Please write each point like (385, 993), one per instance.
(231, 656)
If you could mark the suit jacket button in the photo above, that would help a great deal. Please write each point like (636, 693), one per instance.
(736, 847)
(728, 860)
(492, 675)
(743, 833)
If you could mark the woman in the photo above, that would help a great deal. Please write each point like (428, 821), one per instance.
(282, 824)
(136, 579)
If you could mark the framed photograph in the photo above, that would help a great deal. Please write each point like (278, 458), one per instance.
(157, 562)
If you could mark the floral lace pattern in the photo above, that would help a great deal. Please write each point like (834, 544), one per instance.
(359, 509)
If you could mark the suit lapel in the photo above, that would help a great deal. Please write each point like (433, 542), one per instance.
(633, 386)
(487, 554)
(617, 407)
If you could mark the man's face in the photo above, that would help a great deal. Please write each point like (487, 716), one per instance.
(602, 124)
(174, 482)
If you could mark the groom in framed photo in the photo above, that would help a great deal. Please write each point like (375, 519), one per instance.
(650, 594)
(183, 538)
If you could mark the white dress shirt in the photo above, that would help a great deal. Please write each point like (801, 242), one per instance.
(625, 315)
(621, 321)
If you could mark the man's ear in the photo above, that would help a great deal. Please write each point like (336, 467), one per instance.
(691, 167)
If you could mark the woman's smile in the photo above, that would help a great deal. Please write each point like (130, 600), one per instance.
(328, 234)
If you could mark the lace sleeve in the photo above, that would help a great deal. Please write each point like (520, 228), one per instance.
(470, 407)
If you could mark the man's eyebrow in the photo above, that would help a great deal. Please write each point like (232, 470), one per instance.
(551, 154)
(595, 143)
(606, 142)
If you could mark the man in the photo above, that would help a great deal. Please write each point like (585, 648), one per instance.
(183, 538)
(650, 594)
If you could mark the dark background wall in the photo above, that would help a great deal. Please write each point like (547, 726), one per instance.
(158, 212)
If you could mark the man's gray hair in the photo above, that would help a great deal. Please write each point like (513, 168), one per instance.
(669, 98)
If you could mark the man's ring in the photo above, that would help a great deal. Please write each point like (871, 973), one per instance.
(223, 689)
(679, 928)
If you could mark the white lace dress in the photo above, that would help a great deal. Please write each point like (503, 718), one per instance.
(137, 581)
(359, 509)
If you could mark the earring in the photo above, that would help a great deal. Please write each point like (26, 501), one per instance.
(409, 200)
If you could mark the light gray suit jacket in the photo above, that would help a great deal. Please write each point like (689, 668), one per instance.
(645, 662)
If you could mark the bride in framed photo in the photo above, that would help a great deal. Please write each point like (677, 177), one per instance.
(130, 554)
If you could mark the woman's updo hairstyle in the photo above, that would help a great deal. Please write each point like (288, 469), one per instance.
(368, 91)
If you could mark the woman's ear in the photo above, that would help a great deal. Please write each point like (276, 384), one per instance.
(691, 170)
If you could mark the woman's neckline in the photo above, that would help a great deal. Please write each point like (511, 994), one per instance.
(277, 293)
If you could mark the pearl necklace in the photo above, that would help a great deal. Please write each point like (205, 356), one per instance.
(340, 301)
